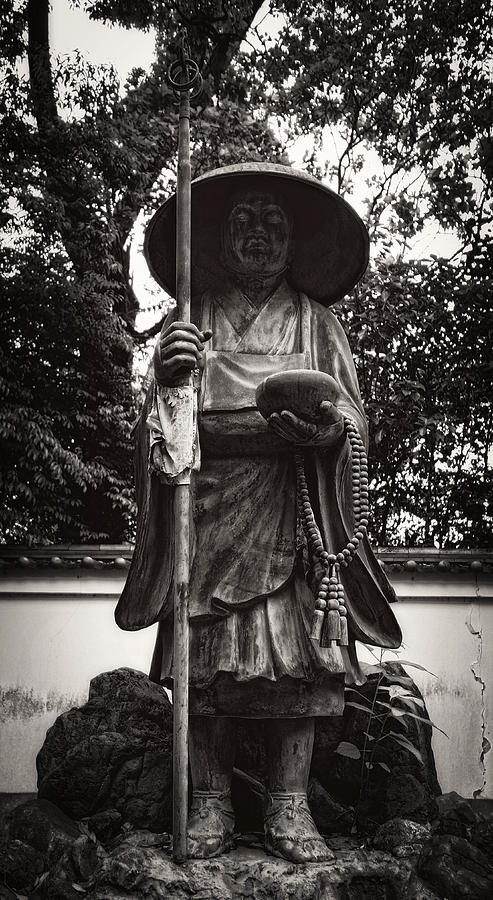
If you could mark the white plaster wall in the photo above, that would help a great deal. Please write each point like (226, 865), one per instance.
(437, 635)
(447, 626)
(50, 650)
(57, 631)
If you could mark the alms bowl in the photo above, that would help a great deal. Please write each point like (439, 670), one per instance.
(301, 391)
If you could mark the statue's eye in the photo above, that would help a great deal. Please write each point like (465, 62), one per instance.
(241, 217)
(273, 217)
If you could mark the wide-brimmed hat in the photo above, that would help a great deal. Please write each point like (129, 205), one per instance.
(330, 242)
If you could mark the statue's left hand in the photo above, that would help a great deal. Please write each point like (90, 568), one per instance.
(298, 431)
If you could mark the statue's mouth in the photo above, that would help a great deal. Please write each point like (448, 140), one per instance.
(257, 245)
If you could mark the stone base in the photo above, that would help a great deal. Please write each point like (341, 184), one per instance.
(248, 873)
(47, 856)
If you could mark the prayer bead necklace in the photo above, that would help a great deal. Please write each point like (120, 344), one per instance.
(329, 621)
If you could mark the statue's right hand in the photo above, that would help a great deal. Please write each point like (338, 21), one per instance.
(178, 351)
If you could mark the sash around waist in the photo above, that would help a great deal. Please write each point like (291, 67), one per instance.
(229, 379)
(239, 433)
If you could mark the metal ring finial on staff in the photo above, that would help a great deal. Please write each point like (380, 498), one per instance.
(183, 67)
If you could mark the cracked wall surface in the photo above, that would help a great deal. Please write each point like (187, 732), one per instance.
(454, 640)
(475, 627)
(486, 613)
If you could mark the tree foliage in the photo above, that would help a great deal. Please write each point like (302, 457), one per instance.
(400, 95)
(79, 163)
(403, 87)
(422, 350)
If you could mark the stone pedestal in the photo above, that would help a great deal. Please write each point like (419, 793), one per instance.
(247, 873)
(47, 856)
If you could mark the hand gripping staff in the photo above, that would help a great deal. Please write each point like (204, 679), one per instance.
(183, 76)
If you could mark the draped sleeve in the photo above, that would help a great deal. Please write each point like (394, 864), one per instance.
(368, 591)
(146, 596)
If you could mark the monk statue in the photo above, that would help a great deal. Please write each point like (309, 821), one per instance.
(279, 534)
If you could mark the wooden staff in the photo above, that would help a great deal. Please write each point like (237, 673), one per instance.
(183, 75)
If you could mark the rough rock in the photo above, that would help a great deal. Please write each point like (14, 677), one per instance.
(56, 888)
(8, 802)
(406, 794)
(142, 838)
(44, 827)
(86, 854)
(401, 837)
(20, 865)
(331, 817)
(138, 873)
(482, 836)
(105, 825)
(418, 890)
(456, 815)
(407, 861)
(112, 754)
(456, 869)
(48, 852)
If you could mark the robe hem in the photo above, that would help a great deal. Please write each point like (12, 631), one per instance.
(262, 698)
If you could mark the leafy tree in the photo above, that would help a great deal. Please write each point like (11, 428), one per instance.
(422, 339)
(65, 358)
(406, 86)
(80, 162)
(403, 85)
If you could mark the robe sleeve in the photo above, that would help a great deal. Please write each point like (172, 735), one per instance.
(173, 432)
(329, 350)
(146, 597)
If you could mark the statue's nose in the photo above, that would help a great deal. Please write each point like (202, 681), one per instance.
(257, 225)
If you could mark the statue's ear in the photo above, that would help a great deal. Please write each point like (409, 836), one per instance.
(292, 238)
(290, 256)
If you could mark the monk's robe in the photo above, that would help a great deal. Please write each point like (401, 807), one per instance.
(250, 601)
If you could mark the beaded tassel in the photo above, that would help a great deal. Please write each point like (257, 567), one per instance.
(329, 623)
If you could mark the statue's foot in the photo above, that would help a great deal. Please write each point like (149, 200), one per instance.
(290, 831)
(210, 824)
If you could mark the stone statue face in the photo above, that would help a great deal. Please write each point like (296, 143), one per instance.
(256, 235)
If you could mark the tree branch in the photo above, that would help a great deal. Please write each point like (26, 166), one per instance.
(143, 336)
(40, 75)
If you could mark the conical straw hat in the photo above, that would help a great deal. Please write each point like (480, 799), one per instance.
(330, 242)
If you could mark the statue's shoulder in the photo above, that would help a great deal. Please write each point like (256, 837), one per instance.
(317, 311)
